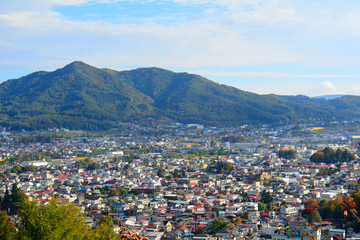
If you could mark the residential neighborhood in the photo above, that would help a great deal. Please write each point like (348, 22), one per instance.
(192, 182)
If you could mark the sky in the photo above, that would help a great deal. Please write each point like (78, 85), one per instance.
(286, 47)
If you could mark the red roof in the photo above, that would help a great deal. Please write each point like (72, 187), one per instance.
(187, 225)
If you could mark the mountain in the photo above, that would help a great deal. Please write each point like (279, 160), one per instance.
(333, 96)
(79, 96)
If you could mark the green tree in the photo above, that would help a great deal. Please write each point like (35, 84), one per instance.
(324, 208)
(169, 176)
(312, 216)
(53, 221)
(17, 168)
(287, 154)
(7, 230)
(29, 168)
(311, 212)
(123, 191)
(266, 197)
(261, 206)
(114, 192)
(5, 203)
(107, 220)
(218, 224)
(17, 200)
(161, 172)
(228, 166)
(176, 173)
(329, 154)
(317, 157)
(338, 155)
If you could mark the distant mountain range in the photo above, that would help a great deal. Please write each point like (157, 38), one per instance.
(79, 96)
(333, 96)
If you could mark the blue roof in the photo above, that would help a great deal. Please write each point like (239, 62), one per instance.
(181, 202)
(188, 235)
(118, 204)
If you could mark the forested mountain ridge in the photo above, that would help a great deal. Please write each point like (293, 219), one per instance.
(79, 96)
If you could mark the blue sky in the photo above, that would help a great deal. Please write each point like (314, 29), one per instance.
(271, 46)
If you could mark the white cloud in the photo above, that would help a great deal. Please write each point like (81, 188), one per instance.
(329, 87)
(228, 33)
(274, 75)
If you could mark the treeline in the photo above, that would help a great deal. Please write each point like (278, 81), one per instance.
(342, 210)
(220, 167)
(88, 164)
(329, 155)
(287, 154)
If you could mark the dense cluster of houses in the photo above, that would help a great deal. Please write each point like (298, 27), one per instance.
(143, 194)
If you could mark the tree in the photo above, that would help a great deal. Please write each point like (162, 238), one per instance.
(266, 197)
(17, 168)
(17, 200)
(114, 192)
(5, 203)
(261, 206)
(312, 203)
(161, 172)
(228, 166)
(106, 220)
(7, 230)
(176, 173)
(57, 220)
(3, 177)
(317, 157)
(183, 173)
(93, 166)
(312, 216)
(218, 224)
(287, 154)
(123, 191)
(311, 212)
(169, 176)
(29, 168)
(324, 209)
(338, 155)
(329, 155)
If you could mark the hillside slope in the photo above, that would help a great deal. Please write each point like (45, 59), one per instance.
(79, 96)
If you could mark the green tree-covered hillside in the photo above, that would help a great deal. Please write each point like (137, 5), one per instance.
(79, 96)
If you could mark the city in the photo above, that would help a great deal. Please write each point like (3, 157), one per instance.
(178, 181)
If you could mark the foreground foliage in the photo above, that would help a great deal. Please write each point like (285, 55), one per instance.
(56, 220)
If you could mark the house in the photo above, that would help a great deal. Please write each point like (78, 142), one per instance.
(153, 235)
